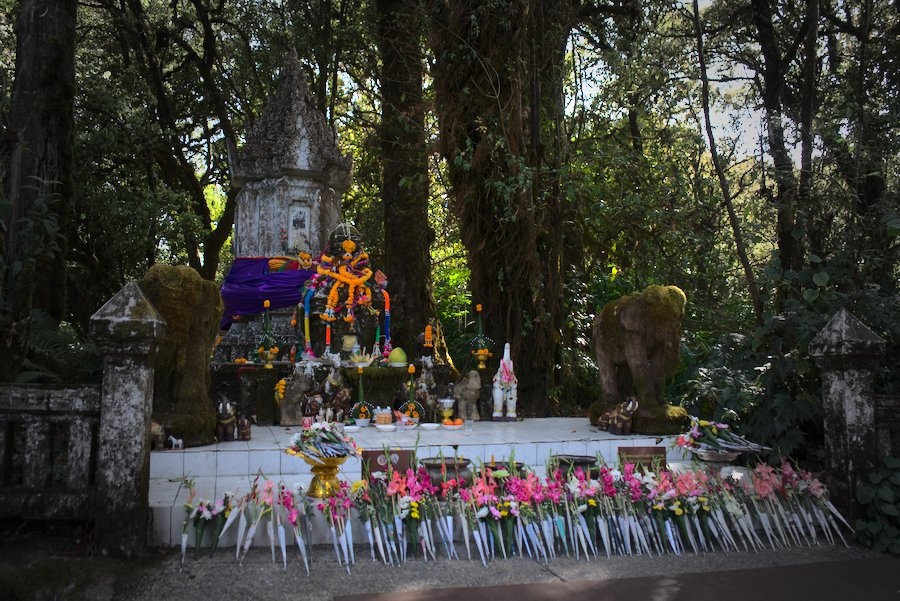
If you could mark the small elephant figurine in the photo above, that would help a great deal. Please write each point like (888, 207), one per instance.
(618, 421)
(466, 392)
(225, 422)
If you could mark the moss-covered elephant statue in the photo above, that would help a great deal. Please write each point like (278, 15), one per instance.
(637, 339)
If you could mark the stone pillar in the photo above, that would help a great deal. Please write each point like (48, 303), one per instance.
(847, 352)
(126, 331)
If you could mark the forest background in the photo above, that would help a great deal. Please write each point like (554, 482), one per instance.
(538, 157)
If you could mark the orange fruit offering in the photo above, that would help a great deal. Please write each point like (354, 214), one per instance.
(458, 421)
(447, 422)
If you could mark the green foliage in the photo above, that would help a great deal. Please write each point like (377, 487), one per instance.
(880, 500)
(718, 382)
(58, 354)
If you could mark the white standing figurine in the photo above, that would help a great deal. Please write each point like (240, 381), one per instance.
(505, 384)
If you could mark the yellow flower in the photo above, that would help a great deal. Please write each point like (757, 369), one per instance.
(592, 502)
(679, 511)
(357, 486)
(266, 303)
(703, 423)
(411, 369)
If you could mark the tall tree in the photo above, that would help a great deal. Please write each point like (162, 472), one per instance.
(499, 71)
(724, 183)
(407, 234)
(37, 169)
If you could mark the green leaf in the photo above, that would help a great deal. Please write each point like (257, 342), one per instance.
(876, 477)
(820, 279)
(895, 478)
(886, 493)
(865, 495)
(815, 259)
(890, 509)
(810, 295)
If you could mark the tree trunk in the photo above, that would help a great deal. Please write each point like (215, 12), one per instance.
(724, 184)
(407, 235)
(38, 177)
(790, 246)
(505, 184)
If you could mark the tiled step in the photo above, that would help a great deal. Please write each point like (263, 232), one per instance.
(230, 466)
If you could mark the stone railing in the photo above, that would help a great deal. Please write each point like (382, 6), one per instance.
(47, 450)
(84, 453)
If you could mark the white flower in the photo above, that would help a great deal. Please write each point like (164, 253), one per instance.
(616, 475)
(732, 506)
(582, 508)
(482, 513)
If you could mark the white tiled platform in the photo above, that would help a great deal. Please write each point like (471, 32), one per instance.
(230, 466)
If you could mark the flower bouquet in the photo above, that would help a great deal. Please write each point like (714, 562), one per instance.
(336, 511)
(714, 441)
(322, 441)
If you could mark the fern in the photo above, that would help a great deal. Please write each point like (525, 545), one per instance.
(57, 354)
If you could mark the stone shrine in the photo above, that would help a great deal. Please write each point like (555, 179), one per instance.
(290, 176)
(290, 173)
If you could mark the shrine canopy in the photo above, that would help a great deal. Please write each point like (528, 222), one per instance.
(253, 280)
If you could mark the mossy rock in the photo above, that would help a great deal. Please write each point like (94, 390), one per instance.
(656, 420)
(663, 420)
(191, 307)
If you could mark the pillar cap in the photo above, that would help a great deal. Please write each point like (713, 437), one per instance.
(846, 336)
(127, 316)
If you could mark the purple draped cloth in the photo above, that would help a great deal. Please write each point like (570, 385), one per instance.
(249, 283)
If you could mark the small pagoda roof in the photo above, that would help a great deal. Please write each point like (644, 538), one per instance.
(291, 138)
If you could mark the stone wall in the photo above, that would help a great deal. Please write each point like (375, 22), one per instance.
(84, 453)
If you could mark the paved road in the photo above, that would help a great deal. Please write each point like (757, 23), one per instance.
(44, 568)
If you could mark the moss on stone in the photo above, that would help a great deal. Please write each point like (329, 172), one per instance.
(652, 419)
(637, 341)
(191, 307)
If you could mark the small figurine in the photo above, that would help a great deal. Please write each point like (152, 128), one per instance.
(335, 380)
(618, 420)
(243, 427)
(505, 387)
(177, 443)
(466, 392)
(225, 422)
